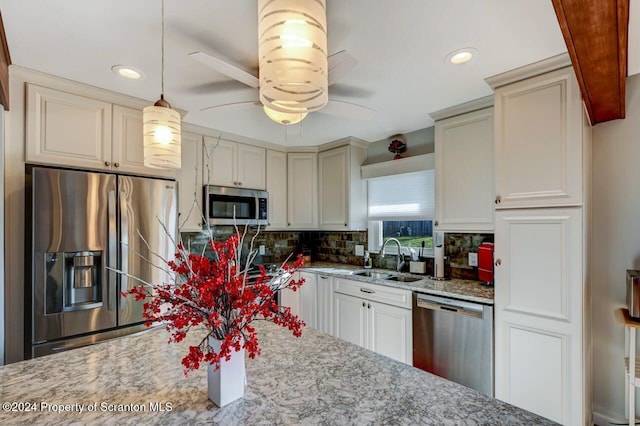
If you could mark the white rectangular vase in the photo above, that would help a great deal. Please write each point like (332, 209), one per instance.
(227, 384)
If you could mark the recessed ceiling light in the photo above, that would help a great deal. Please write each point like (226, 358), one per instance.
(127, 72)
(461, 56)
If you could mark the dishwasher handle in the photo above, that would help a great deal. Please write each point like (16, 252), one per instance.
(458, 307)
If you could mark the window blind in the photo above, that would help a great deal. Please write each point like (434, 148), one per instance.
(408, 196)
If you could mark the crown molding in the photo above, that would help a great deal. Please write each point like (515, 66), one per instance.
(546, 65)
(463, 108)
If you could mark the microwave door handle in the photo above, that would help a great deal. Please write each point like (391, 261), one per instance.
(124, 243)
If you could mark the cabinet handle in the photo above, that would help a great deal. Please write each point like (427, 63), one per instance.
(106, 163)
(116, 164)
(289, 224)
(498, 199)
(368, 305)
(435, 223)
(366, 290)
(363, 304)
(498, 262)
(324, 278)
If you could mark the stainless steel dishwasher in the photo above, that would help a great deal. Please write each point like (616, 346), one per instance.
(454, 339)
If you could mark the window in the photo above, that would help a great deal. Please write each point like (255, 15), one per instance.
(402, 206)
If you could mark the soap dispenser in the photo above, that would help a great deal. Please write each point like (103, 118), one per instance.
(367, 260)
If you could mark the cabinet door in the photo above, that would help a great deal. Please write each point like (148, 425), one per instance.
(66, 129)
(277, 189)
(221, 157)
(290, 299)
(333, 193)
(350, 316)
(539, 294)
(302, 191)
(389, 331)
(251, 167)
(325, 304)
(190, 184)
(309, 299)
(464, 172)
(538, 142)
(127, 148)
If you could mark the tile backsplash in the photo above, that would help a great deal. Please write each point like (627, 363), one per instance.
(339, 247)
(336, 247)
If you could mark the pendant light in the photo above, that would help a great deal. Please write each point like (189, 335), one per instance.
(161, 129)
(292, 50)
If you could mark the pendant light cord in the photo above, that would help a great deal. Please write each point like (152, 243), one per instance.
(162, 50)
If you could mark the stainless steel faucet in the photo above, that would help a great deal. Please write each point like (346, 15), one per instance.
(400, 256)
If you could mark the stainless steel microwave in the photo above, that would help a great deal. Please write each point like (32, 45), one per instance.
(227, 206)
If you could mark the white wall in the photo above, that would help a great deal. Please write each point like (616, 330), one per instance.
(615, 247)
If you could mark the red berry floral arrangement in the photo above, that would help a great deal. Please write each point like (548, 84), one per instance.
(214, 293)
(397, 146)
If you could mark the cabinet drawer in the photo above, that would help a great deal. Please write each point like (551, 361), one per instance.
(378, 293)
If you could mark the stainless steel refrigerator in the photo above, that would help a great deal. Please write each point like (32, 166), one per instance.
(84, 227)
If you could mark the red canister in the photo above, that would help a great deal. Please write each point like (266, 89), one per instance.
(485, 263)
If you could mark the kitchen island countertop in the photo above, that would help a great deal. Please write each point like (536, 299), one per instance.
(318, 378)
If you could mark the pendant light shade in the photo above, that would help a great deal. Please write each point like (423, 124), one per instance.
(161, 129)
(285, 118)
(162, 136)
(292, 53)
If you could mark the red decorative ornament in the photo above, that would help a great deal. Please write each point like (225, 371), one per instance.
(215, 294)
(397, 146)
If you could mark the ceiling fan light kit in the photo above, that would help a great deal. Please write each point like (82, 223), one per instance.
(161, 129)
(293, 69)
(284, 118)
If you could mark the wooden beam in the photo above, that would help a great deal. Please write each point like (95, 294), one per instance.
(5, 61)
(596, 34)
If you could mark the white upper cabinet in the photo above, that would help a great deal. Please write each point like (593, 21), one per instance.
(235, 164)
(538, 142)
(67, 129)
(127, 149)
(78, 131)
(342, 193)
(277, 189)
(464, 172)
(189, 180)
(302, 190)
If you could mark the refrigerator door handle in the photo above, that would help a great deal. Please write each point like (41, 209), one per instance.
(124, 242)
(112, 248)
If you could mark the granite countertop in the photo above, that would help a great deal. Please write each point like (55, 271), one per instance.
(318, 378)
(473, 291)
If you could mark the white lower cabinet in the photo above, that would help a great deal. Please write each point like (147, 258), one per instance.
(361, 317)
(325, 304)
(303, 302)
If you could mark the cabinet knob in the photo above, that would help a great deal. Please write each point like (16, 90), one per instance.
(368, 305)
(364, 304)
(435, 223)
(106, 163)
(345, 224)
(289, 224)
(116, 164)
(498, 199)
(239, 183)
(498, 262)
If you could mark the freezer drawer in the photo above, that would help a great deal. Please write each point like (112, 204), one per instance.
(454, 339)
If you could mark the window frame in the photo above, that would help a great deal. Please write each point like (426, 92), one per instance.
(375, 240)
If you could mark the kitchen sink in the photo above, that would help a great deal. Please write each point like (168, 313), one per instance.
(403, 279)
(373, 274)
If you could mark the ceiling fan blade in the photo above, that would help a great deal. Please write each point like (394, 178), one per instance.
(348, 110)
(222, 66)
(339, 65)
(235, 106)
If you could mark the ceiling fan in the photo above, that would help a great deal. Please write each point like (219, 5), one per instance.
(339, 64)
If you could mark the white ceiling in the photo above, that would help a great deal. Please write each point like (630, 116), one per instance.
(400, 46)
